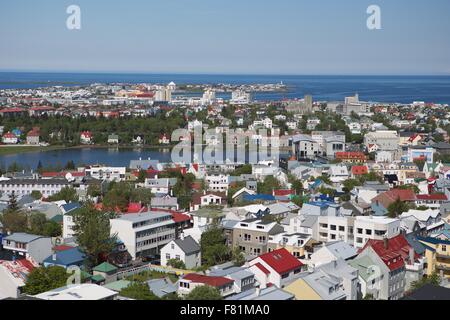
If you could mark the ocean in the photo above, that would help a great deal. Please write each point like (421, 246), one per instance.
(401, 89)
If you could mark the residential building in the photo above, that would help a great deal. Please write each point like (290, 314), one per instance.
(185, 249)
(30, 246)
(277, 267)
(251, 236)
(145, 233)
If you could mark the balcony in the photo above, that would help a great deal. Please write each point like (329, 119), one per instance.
(442, 266)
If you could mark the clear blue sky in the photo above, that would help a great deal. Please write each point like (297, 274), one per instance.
(218, 36)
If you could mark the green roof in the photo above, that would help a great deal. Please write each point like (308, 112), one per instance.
(97, 278)
(117, 285)
(105, 267)
(58, 218)
(208, 213)
(364, 265)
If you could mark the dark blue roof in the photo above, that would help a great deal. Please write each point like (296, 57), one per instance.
(434, 240)
(256, 197)
(70, 206)
(418, 246)
(67, 258)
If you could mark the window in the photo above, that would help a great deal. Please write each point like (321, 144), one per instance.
(172, 246)
(368, 232)
(247, 237)
(444, 248)
(341, 228)
(177, 257)
(168, 256)
(359, 230)
(332, 227)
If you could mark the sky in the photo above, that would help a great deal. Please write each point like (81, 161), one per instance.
(227, 37)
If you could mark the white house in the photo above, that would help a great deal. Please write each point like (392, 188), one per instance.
(10, 138)
(376, 228)
(86, 137)
(106, 173)
(278, 267)
(185, 249)
(30, 246)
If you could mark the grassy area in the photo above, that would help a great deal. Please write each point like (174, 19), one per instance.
(149, 275)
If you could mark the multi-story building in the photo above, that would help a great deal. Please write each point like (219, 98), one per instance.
(251, 236)
(144, 234)
(30, 246)
(46, 187)
(437, 254)
(385, 140)
(218, 182)
(295, 243)
(106, 173)
(374, 228)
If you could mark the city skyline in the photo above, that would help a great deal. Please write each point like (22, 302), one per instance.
(283, 38)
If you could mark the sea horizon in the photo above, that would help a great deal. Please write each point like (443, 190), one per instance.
(371, 88)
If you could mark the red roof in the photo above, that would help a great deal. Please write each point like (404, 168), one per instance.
(262, 268)
(9, 135)
(351, 155)
(62, 248)
(396, 253)
(63, 174)
(6, 110)
(87, 134)
(180, 217)
(208, 280)
(281, 261)
(281, 193)
(134, 207)
(431, 197)
(42, 108)
(360, 170)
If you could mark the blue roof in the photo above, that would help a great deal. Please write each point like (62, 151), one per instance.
(434, 240)
(67, 258)
(316, 184)
(322, 204)
(70, 206)
(256, 197)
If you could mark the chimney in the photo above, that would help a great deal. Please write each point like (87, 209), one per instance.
(411, 255)
(386, 243)
(54, 256)
(182, 235)
(257, 291)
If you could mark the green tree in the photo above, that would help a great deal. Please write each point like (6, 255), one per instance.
(142, 195)
(213, 248)
(270, 183)
(43, 279)
(397, 208)
(176, 263)
(35, 194)
(37, 221)
(142, 176)
(138, 291)
(118, 196)
(202, 293)
(93, 232)
(14, 221)
(434, 279)
(12, 202)
(238, 257)
(67, 194)
(94, 190)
